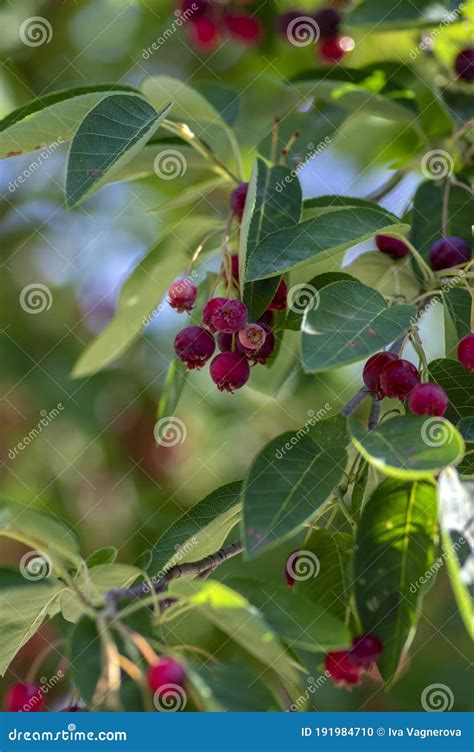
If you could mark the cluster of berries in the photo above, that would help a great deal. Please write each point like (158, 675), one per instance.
(444, 253)
(345, 667)
(210, 20)
(332, 45)
(225, 322)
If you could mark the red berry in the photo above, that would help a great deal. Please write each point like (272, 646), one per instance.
(167, 671)
(204, 33)
(290, 568)
(182, 295)
(195, 8)
(252, 336)
(237, 199)
(464, 64)
(366, 649)
(328, 21)
(224, 341)
(332, 50)
(278, 302)
(341, 670)
(466, 351)
(224, 315)
(229, 371)
(264, 351)
(194, 346)
(284, 19)
(398, 378)
(448, 252)
(391, 246)
(373, 369)
(428, 399)
(245, 29)
(24, 697)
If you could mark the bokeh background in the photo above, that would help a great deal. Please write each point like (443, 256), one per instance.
(97, 465)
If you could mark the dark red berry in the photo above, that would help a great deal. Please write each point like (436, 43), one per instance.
(166, 672)
(224, 341)
(328, 21)
(428, 399)
(204, 33)
(448, 252)
(290, 568)
(278, 302)
(366, 650)
(230, 371)
(182, 295)
(341, 670)
(24, 697)
(266, 318)
(466, 351)
(194, 346)
(373, 369)
(398, 378)
(194, 8)
(252, 336)
(224, 315)
(237, 199)
(284, 19)
(464, 64)
(264, 351)
(246, 29)
(391, 246)
(332, 50)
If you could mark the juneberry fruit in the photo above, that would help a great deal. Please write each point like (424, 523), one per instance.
(398, 378)
(466, 351)
(290, 568)
(278, 302)
(252, 336)
(428, 399)
(182, 295)
(366, 650)
(225, 341)
(264, 351)
(391, 246)
(230, 371)
(332, 50)
(204, 33)
(195, 8)
(341, 670)
(24, 697)
(448, 252)
(464, 64)
(328, 21)
(373, 369)
(167, 671)
(224, 315)
(284, 19)
(194, 346)
(237, 199)
(246, 29)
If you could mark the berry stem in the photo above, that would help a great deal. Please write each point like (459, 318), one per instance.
(351, 406)
(182, 130)
(419, 258)
(374, 414)
(274, 142)
(388, 186)
(445, 208)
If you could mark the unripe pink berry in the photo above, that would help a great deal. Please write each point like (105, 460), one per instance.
(182, 295)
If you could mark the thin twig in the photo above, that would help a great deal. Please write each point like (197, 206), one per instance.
(350, 407)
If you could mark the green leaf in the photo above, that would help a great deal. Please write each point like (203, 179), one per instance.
(290, 479)
(386, 15)
(50, 119)
(274, 201)
(410, 446)
(142, 292)
(108, 137)
(458, 383)
(297, 619)
(391, 278)
(319, 237)
(24, 605)
(395, 547)
(331, 584)
(306, 296)
(175, 382)
(200, 531)
(106, 555)
(230, 687)
(86, 658)
(458, 305)
(225, 101)
(95, 586)
(351, 322)
(427, 213)
(39, 531)
(456, 502)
